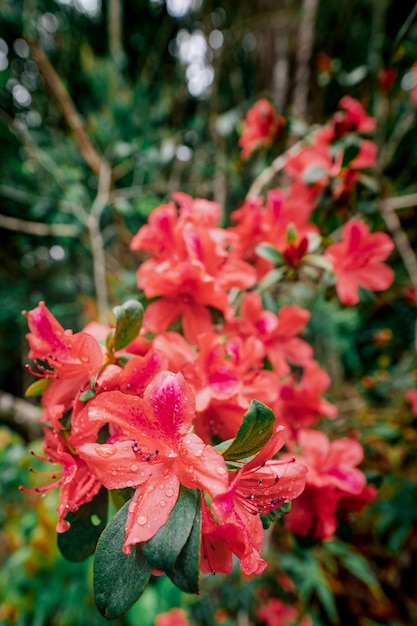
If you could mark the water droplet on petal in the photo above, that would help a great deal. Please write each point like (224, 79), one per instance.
(162, 503)
(142, 519)
(114, 473)
(149, 489)
(133, 467)
(198, 452)
(190, 469)
(169, 493)
(106, 450)
(220, 470)
(162, 486)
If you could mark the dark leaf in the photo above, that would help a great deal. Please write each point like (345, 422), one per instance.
(163, 549)
(256, 429)
(87, 524)
(119, 578)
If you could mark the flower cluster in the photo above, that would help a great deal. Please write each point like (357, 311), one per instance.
(181, 414)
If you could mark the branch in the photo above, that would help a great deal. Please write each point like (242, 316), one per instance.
(57, 87)
(20, 414)
(304, 51)
(97, 241)
(34, 228)
(267, 175)
(400, 238)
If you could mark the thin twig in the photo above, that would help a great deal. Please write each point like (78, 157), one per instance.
(57, 87)
(400, 238)
(305, 45)
(35, 228)
(97, 241)
(267, 175)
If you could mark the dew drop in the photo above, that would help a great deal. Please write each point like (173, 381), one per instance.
(133, 467)
(114, 473)
(220, 470)
(141, 521)
(198, 452)
(190, 469)
(106, 450)
(169, 493)
(149, 489)
(162, 503)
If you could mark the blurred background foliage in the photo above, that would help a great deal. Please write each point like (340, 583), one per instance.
(108, 108)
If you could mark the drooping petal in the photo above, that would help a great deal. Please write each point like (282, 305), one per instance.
(151, 506)
(201, 466)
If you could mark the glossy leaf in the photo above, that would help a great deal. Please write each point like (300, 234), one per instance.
(163, 550)
(270, 253)
(256, 429)
(87, 524)
(119, 579)
(128, 322)
(186, 572)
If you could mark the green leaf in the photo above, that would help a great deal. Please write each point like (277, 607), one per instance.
(256, 429)
(268, 252)
(128, 322)
(87, 395)
(353, 562)
(119, 579)
(186, 572)
(37, 388)
(163, 549)
(87, 524)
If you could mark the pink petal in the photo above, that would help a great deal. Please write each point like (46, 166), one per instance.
(151, 506)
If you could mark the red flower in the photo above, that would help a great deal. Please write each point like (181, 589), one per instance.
(68, 361)
(173, 617)
(357, 261)
(411, 397)
(153, 452)
(258, 487)
(276, 332)
(261, 127)
(276, 613)
(300, 403)
(191, 270)
(332, 476)
(77, 484)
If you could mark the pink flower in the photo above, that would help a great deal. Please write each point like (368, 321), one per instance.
(276, 332)
(332, 476)
(411, 397)
(173, 617)
(68, 361)
(357, 261)
(77, 484)
(300, 403)
(191, 269)
(153, 452)
(352, 118)
(261, 127)
(258, 487)
(276, 613)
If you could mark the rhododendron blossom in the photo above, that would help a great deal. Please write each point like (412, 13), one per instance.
(332, 475)
(357, 261)
(65, 359)
(152, 452)
(261, 127)
(258, 487)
